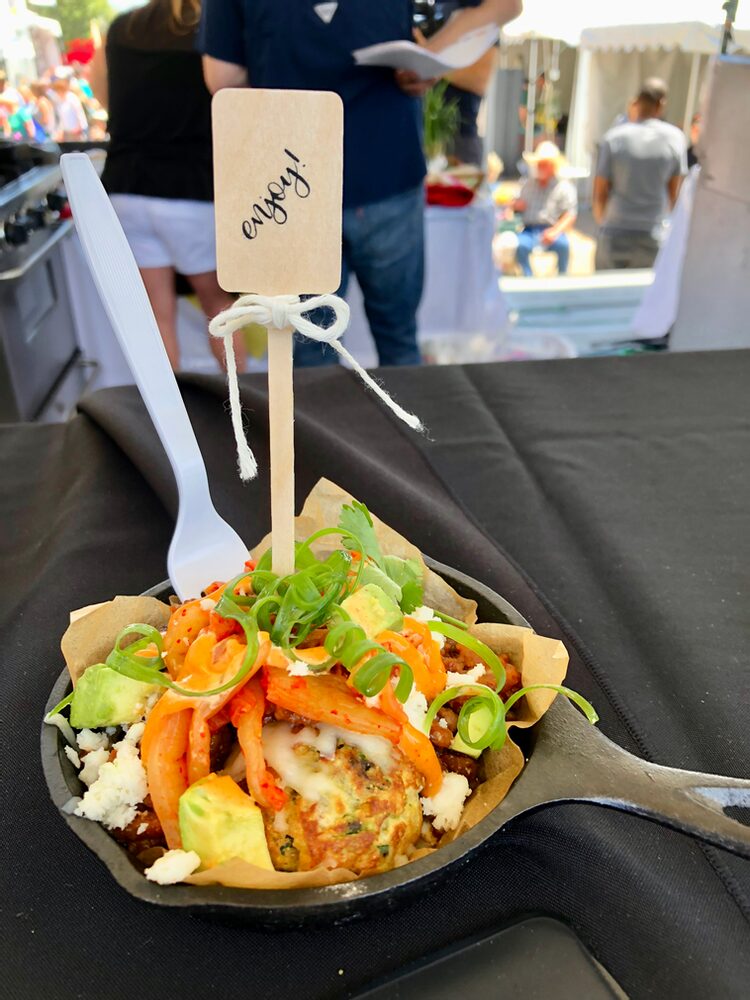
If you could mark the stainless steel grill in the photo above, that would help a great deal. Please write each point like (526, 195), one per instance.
(38, 350)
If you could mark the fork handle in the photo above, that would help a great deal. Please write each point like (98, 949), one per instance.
(126, 303)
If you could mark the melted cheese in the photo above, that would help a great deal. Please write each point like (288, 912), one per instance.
(304, 774)
(455, 679)
(296, 771)
(415, 707)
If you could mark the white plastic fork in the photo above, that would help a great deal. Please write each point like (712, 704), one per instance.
(203, 547)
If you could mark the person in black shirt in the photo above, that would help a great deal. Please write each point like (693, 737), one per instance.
(159, 170)
(467, 88)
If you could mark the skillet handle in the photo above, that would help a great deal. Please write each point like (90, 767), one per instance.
(573, 762)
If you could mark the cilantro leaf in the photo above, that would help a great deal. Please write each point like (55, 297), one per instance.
(407, 573)
(355, 518)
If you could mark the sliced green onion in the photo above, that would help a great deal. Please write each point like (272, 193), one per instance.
(359, 547)
(484, 699)
(481, 698)
(60, 706)
(348, 644)
(450, 620)
(585, 706)
(139, 668)
(127, 661)
(471, 642)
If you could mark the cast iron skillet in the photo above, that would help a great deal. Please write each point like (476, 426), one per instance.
(568, 761)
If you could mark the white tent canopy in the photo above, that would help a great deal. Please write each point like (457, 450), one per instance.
(567, 22)
(685, 36)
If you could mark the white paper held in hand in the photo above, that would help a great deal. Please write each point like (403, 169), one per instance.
(204, 547)
(426, 64)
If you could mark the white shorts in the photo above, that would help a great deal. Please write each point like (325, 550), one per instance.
(166, 232)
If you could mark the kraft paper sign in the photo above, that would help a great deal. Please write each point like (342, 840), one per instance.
(278, 158)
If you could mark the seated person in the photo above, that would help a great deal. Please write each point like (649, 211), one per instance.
(549, 206)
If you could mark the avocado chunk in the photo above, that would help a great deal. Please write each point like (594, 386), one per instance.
(103, 697)
(374, 610)
(219, 822)
(374, 574)
(478, 723)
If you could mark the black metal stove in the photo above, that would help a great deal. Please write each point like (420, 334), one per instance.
(38, 349)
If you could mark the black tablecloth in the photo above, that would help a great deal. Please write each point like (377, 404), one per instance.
(607, 499)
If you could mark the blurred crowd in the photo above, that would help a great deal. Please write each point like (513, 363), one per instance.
(160, 63)
(60, 106)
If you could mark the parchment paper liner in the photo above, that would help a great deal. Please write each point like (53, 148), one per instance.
(92, 631)
(89, 639)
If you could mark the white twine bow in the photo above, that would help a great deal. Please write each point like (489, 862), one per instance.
(280, 312)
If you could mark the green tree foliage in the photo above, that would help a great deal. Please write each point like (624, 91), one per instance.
(75, 16)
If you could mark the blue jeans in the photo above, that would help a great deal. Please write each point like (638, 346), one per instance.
(531, 237)
(384, 246)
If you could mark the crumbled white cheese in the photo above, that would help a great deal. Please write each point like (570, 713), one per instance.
(415, 707)
(426, 615)
(142, 827)
(174, 866)
(72, 756)
(455, 679)
(87, 740)
(294, 666)
(120, 786)
(93, 762)
(151, 701)
(207, 604)
(442, 723)
(135, 732)
(297, 668)
(446, 807)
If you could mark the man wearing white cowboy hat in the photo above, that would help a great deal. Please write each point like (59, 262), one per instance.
(548, 205)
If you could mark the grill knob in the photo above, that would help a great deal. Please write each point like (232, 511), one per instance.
(37, 218)
(16, 233)
(56, 202)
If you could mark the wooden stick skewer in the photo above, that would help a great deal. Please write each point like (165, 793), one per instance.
(281, 418)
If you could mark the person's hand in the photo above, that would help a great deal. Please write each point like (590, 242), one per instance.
(412, 84)
(548, 236)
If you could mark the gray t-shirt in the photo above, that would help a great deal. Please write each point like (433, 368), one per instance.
(545, 205)
(638, 159)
